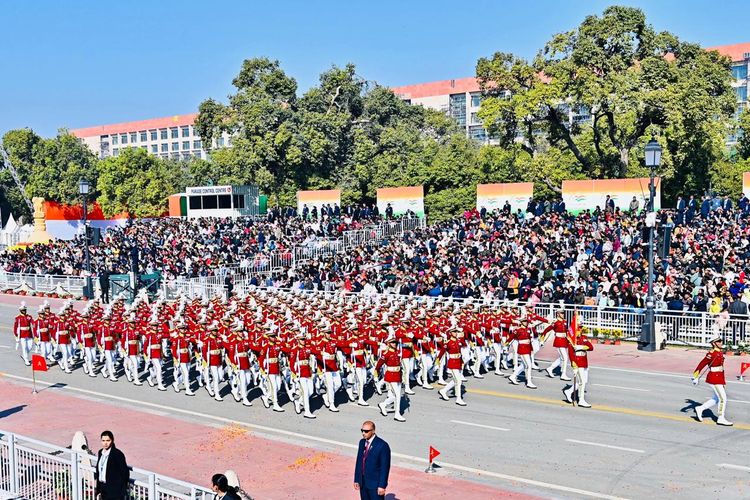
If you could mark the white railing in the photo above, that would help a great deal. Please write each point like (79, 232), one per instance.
(203, 287)
(38, 470)
(44, 283)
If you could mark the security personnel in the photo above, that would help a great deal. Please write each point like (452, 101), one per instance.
(714, 360)
(22, 332)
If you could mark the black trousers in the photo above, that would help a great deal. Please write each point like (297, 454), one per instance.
(370, 494)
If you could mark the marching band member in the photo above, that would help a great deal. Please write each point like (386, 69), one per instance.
(714, 360)
(559, 329)
(22, 332)
(393, 378)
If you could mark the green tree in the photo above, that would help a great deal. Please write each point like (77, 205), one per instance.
(632, 81)
(135, 182)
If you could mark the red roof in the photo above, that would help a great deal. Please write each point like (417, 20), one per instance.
(119, 128)
(736, 52)
(442, 87)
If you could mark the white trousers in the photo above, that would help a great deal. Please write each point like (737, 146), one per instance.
(425, 367)
(89, 356)
(306, 390)
(361, 374)
(155, 371)
(26, 346)
(719, 397)
(109, 364)
(497, 348)
(394, 396)
(561, 361)
(67, 352)
(457, 382)
(333, 384)
(523, 367)
(407, 371)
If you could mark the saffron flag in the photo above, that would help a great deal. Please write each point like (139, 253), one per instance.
(38, 363)
(433, 453)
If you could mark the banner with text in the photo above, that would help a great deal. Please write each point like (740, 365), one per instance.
(494, 196)
(589, 194)
(402, 199)
(318, 199)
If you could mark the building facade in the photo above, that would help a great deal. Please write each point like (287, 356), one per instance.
(172, 137)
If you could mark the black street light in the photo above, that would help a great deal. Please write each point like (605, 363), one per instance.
(83, 189)
(648, 329)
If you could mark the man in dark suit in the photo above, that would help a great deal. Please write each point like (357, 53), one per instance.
(373, 464)
(112, 474)
(738, 317)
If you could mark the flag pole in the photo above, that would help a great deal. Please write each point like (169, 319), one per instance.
(33, 378)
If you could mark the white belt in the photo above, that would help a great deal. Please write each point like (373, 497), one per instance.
(88, 335)
(132, 342)
(154, 346)
(215, 351)
(272, 360)
(182, 351)
(560, 335)
(329, 356)
(24, 328)
(303, 363)
(454, 356)
(716, 369)
(242, 354)
(392, 368)
(358, 352)
(525, 341)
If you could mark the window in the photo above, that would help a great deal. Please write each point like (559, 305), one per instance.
(239, 201)
(175, 156)
(153, 135)
(476, 100)
(186, 156)
(741, 93)
(124, 139)
(175, 146)
(144, 136)
(197, 154)
(739, 71)
(185, 144)
(154, 148)
(164, 147)
(197, 145)
(475, 119)
(478, 133)
(133, 137)
(209, 202)
(457, 108)
(115, 152)
(220, 142)
(185, 131)
(164, 155)
(174, 132)
(195, 203)
(144, 147)
(225, 201)
(163, 133)
(115, 139)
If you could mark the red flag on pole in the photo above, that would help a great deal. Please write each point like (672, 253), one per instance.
(433, 453)
(574, 325)
(743, 367)
(38, 363)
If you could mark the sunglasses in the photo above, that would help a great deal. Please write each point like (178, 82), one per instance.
(365, 431)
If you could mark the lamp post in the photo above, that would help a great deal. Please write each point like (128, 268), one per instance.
(648, 330)
(83, 189)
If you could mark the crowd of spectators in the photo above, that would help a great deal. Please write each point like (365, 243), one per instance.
(543, 254)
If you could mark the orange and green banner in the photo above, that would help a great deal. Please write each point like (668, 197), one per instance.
(318, 198)
(494, 196)
(746, 183)
(402, 199)
(589, 194)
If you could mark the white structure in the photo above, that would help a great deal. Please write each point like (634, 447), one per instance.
(222, 201)
(172, 137)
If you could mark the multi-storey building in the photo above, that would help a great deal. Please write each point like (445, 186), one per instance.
(172, 137)
(175, 137)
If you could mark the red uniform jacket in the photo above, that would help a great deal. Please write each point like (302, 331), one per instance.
(41, 329)
(715, 361)
(392, 362)
(579, 356)
(453, 349)
(22, 326)
(523, 335)
(561, 333)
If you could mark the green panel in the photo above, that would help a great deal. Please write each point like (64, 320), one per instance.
(263, 204)
(183, 206)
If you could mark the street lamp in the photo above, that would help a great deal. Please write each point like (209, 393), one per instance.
(648, 329)
(83, 189)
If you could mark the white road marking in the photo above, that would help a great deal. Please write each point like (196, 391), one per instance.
(421, 460)
(623, 388)
(735, 467)
(601, 445)
(479, 425)
(656, 374)
(738, 401)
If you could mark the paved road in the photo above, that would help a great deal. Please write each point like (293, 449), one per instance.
(638, 441)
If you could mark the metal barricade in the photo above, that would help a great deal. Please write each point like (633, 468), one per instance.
(33, 469)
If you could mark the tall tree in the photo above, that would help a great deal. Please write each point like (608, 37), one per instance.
(632, 82)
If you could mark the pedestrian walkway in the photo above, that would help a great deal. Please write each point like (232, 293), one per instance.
(192, 452)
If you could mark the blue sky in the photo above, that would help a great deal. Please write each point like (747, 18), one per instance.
(82, 63)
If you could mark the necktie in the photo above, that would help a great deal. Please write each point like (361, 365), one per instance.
(364, 456)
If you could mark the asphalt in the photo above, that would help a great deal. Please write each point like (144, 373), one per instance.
(639, 440)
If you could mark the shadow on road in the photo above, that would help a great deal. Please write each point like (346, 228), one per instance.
(11, 411)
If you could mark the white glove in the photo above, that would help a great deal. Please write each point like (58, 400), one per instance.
(695, 381)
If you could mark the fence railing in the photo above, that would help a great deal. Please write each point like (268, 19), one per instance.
(44, 283)
(203, 287)
(34, 469)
